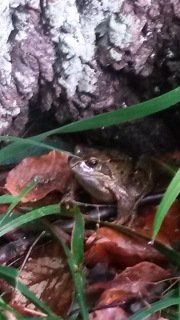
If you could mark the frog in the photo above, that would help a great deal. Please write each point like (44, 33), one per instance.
(111, 176)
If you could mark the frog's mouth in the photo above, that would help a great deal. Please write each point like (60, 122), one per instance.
(92, 181)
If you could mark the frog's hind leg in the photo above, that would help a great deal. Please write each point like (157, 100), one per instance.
(69, 198)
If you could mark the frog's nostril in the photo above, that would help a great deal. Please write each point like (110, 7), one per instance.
(79, 151)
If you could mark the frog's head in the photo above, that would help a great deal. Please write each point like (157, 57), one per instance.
(93, 174)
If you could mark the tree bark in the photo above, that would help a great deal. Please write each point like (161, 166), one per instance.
(82, 57)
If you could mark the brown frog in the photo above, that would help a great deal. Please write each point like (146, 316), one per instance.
(110, 176)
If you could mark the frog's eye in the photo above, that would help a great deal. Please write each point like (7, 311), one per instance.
(92, 162)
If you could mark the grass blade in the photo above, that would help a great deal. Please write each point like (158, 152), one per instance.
(179, 301)
(7, 199)
(79, 282)
(29, 141)
(75, 258)
(31, 185)
(171, 254)
(5, 306)
(77, 242)
(30, 216)
(156, 306)
(169, 197)
(10, 275)
(76, 270)
(119, 116)
(21, 147)
(18, 199)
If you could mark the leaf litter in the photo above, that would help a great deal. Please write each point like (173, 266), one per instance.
(123, 274)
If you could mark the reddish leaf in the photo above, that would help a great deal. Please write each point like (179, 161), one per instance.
(134, 282)
(114, 248)
(3, 208)
(170, 230)
(52, 169)
(47, 275)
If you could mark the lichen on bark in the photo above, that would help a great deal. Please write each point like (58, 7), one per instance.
(84, 57)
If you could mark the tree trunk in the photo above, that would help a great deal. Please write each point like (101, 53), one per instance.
(80, 58)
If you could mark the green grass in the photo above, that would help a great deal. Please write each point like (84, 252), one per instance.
(18, 148)
(10, 275)
(170, 196)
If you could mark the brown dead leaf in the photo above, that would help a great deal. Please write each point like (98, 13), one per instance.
(116, 249)
(113, 248)
(52, 170)
(47, 275)
(170, 229)
(139, 281)
(3, 208)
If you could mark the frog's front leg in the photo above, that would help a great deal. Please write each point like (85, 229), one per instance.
(126, 211)
(68, 199)
(125, 204)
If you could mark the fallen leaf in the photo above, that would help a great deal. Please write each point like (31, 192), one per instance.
(139, 281)
(46, 274)
(170, 229)
(52, 171)
(114, 248)
(12, 250)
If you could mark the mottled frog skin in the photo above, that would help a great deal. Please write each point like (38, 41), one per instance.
(110, 176)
